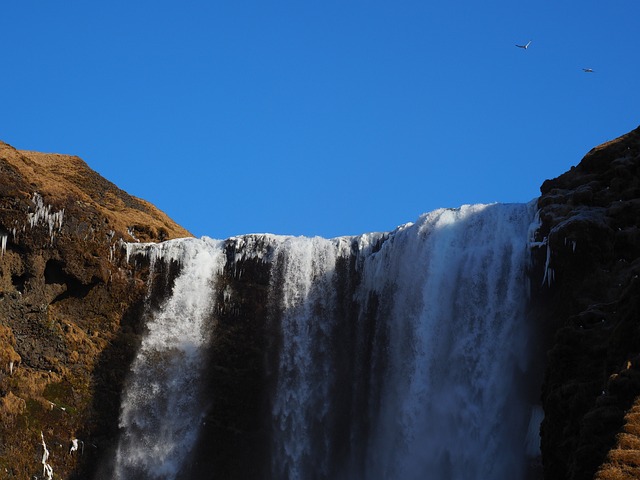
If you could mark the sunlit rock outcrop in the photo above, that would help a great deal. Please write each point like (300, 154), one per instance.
(68, 316)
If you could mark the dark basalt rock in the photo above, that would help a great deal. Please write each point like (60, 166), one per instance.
(589, 293)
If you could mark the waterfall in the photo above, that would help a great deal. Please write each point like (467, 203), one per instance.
(161, 407)
(453, 400)
(305, 280)
(406, 354)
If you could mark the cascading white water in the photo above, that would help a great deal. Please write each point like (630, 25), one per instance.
(453, 402)
(160, 407)
(306, 269)
(401, 355)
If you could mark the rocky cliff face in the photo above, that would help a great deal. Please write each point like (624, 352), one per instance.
(68, 309)
(70, 313)
(589, 292)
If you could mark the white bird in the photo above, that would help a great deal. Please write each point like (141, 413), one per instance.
(524, 46)
(588, 70)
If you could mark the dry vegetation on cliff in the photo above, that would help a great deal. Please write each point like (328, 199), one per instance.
(68, 182)
(68, 308)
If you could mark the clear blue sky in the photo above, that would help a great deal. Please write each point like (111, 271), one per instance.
(318, 117)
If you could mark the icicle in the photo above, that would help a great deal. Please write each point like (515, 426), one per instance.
(572, 242)
(533, 228)
(129, 248)
(131, 232)
(43, 214)
(74, 446)
(226, 293)
(47, 470)
(549, 274)
(45, 454)
(3, 244)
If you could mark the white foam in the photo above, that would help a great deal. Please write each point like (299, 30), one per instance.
(161, 408)
(456, 288)
(304, 284)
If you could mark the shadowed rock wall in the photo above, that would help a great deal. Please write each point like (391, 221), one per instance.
(587, 285)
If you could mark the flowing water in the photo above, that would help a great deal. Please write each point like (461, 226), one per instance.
(161, 408)
(405, 355)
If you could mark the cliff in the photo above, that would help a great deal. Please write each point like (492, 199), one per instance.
(70, 319)
(68, 308)
(588, 289)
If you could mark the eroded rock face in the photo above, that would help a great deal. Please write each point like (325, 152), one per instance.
(68, 309)
(588, 286)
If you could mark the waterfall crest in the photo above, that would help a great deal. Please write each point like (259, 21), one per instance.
(394, 355)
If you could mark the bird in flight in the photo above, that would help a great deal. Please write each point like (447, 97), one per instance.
(524, 46)
(588, 70)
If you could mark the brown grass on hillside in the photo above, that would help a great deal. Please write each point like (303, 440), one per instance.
(623, 461)
(66, 181)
